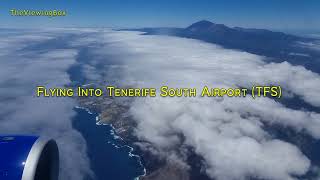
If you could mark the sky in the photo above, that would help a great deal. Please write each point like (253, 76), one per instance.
(287, 15)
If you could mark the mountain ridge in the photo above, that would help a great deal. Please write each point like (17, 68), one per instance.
(278, 46)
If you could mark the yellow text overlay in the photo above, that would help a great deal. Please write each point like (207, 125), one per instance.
(163, 91)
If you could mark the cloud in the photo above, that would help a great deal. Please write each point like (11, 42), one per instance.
(22, 69)
(227, 132)
(233, 147)
(315, 45)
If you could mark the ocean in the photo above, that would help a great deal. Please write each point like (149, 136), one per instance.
(110, 158)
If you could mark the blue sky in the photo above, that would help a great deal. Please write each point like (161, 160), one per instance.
(272, 14)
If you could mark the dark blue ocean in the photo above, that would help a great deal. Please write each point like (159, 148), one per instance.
(110, 159)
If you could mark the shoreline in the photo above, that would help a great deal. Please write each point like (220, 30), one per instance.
(116, 137)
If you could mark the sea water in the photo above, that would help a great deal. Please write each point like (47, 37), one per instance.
(110, 158)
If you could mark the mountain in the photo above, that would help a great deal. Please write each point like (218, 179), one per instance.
(257, 41)
(278, 46)
(207, 26)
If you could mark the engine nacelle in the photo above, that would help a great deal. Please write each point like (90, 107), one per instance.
(28, 158)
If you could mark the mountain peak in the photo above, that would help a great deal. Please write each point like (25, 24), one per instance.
(202, 24)
(207, 26)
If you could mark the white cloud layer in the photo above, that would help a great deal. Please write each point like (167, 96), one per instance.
(227, 132)
(21, 70)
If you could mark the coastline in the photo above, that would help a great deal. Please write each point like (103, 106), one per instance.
(117, 138)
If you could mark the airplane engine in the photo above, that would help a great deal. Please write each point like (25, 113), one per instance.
(28, 158)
